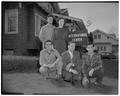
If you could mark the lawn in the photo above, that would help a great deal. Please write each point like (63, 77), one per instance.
(19, 76)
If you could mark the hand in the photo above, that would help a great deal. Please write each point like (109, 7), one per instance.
(73, 71)
(51, 65)
(68, 66)
(86, 79)
(72, 65)
(98, 67)
(85, 82)
(91, 72)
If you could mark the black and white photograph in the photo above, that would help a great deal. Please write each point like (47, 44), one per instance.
(59, 47)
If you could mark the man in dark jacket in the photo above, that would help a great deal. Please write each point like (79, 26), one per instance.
(71, 64)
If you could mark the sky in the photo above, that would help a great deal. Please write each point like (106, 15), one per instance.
(103, 16)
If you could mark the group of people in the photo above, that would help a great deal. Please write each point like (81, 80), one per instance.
(61, 56)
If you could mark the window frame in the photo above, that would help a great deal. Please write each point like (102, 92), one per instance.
(98, 48)
(41, 19)
(101, 48)
(95, 36)
(99, 36)
(7, 11)
(104, 48)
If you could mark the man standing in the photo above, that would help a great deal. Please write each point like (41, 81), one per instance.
(92, 65)
(71, 64)
(50, 59)
(46, 32)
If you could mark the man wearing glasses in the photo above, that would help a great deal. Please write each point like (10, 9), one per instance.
(50, 59)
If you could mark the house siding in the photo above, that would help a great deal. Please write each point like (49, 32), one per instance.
(34, 42)
(25, 39)
(107, 46)
(9, 41)
(105, 40)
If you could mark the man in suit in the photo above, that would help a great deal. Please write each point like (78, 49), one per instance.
(71, 64)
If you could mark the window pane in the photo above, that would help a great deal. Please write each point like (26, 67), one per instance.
(95, 36)
(99, 36)
(98, 48)
(37, 24)
(101, 48)
(11, 21)
(104, 48)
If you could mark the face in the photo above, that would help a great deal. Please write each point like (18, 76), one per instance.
(71, 46)
(61, 22)
(90, 48)
(50, 20)
(48, 45)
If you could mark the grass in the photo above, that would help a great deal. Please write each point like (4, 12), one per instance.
(18, 83)
(111, 68)
(12, 64)
(19, 64)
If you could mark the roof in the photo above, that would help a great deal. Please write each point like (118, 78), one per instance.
(108, 35)
(64, 11)
(68, 17)
(55, 7)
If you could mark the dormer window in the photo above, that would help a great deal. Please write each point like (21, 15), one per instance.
(95, 36)
(99, 36)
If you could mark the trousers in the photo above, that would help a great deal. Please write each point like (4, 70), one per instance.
(57, 68)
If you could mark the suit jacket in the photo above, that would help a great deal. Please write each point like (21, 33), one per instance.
(76, 60)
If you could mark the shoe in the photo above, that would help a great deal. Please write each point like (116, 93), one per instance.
(96, 83)
(73, 83)
(59, 77)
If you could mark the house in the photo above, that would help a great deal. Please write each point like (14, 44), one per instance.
(21, 23)
(104, 42)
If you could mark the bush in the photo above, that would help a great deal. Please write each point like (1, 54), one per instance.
(19, 64)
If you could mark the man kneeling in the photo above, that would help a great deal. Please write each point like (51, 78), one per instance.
(50, 59)
(92, 65)
(71, 64)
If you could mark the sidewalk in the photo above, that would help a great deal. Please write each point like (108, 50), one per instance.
(33, 83)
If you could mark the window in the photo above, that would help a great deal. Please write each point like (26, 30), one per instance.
(104, 48)
(51, 10)
(99, 36)
(101, 48)
(98, 48)
(39, 22)
(11, 21)
(43, 23)
(95, 36)
(49, 7)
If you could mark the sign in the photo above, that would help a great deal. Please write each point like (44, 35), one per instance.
(77, 31)
(77, 37)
